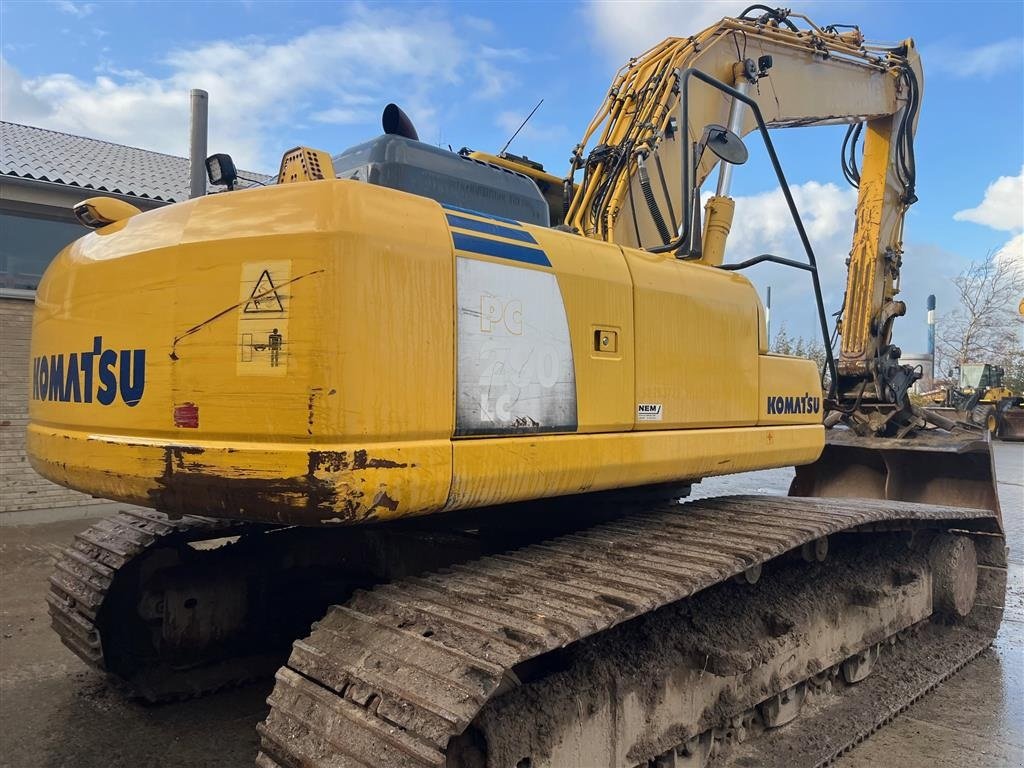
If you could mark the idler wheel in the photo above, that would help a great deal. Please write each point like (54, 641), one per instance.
(954, 563)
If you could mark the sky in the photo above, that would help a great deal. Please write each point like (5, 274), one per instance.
(320, 73)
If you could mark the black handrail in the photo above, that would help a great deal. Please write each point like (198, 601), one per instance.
(767, 257)
(687, 229)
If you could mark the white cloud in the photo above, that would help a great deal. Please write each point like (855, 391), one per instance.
(1002, 209)
(493, 80)
(17, 102)
(478, 24)
(78, 10)
(984, 61)
(1012, 253)
(514, 54)
(763, 224)
(1003, 205)
(343, 116)
(258, 88)
(627, 28)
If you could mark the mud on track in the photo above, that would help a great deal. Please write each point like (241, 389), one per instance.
(402, 669)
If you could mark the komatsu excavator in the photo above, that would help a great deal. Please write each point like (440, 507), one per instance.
(385, 407)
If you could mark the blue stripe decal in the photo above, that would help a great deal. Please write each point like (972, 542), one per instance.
(490, 229)
(501, 250)
(478, 213)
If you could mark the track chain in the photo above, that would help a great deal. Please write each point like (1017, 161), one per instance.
(389, 678)
(87, 569)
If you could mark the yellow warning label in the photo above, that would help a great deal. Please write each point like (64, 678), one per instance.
(263, 318)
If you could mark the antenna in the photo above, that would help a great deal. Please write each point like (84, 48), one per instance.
(520, 127)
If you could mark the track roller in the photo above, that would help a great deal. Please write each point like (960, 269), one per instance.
(815, 551)
(695, 752)
(860, 665)
(783, 707)
(749, 576)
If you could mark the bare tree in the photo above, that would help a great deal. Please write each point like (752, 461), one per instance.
(798, 346)
(986, 326)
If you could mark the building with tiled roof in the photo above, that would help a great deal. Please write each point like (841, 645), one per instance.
(40, 155)
(42, 175)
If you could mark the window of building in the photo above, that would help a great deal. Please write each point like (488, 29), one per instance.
(28, 244)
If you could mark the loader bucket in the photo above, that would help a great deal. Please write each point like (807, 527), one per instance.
(1010, 424)
(935, 467)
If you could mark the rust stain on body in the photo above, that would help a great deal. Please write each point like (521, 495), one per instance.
(362, 460)
(339, 461)
(189, 486)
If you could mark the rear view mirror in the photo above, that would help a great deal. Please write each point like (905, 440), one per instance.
(725, 144)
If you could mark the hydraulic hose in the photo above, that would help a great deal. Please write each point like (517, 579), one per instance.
(775, 14)
(652, 204)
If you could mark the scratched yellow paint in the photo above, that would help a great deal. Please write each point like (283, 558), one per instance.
(355, 421)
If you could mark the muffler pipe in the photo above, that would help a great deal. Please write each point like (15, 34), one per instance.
(397, 123)
(199, 102)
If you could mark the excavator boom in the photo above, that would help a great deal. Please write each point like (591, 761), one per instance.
(643, 166)
(640, 174)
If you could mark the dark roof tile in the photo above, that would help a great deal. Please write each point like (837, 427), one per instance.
(37, 153)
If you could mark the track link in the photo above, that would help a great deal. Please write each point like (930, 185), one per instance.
(392, 676)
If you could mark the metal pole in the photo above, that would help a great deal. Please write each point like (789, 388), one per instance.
(931, 339)
(197, 143)
(736, 126)
(768, 317)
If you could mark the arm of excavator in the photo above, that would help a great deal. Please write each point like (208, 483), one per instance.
(640, 179)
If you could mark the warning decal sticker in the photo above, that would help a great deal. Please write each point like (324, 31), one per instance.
(263, 318)
(264, 297)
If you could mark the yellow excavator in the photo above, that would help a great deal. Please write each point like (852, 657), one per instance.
(413, 426)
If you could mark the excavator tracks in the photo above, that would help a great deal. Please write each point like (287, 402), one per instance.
(177, 608)
(87, 570)
(484, 663)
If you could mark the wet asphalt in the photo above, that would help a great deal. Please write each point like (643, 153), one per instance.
(54, 711)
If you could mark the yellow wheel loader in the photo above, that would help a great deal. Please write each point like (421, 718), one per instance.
(980, 398)
(423, 451)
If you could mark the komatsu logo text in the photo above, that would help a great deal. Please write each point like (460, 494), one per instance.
(799, 404)
(81, 377)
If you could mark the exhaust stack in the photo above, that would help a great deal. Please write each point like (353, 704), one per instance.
(197, 142)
